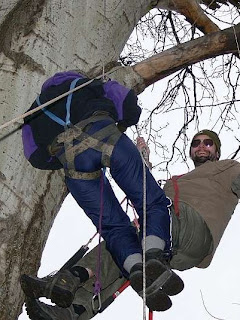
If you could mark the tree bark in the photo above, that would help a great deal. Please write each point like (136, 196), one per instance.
(37, 39)
(193, 13)
(165, 63)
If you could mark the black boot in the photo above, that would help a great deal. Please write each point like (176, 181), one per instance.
(60, 288)
(156, 299)
(161, 281)
(37, 310)
(158, 269)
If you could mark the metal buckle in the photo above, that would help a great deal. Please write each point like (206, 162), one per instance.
(94, 301)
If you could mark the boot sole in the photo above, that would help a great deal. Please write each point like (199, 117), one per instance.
(156, 298)
(136, 281)
(158, 301)
(36, 288)
(163, 277)
(34, 310)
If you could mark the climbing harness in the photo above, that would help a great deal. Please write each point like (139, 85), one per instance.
(75, 140)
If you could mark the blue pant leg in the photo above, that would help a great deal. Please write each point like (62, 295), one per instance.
(117, 231)
(127, 171)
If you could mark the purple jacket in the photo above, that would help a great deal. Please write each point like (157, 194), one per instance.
(39, 130)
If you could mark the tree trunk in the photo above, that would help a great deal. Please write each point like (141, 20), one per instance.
(37, 39)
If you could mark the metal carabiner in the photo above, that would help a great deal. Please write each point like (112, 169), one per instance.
(94, 307)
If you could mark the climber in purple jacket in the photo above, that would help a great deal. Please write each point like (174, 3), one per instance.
(83, 134)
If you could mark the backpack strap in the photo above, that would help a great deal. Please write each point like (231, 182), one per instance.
(57, 119)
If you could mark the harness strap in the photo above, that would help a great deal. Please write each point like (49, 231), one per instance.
(108, 147)
(55, 118)
(176, 194)
(69, 100)
(79, 127)
(68, 144)
(94, 142)
(83, 175)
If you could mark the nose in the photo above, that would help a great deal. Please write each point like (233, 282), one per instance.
(202, 145)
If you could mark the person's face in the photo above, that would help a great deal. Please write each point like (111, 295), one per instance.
(203, 149)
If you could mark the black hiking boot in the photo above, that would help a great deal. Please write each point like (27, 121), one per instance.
(158, 270)
(161, 281)
(156, 299)
(37, 310)
(60, 288)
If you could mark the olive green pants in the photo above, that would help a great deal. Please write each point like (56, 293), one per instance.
(110, 278)
(191, 238)
(191, 243)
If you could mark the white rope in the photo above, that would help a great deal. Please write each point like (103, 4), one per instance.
(145, 162)
(24, 115)
(144, 235)
(46, 104)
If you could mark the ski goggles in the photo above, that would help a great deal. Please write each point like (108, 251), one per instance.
(207, 142)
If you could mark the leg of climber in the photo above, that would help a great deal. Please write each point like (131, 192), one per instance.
(94, 195)
(127, 171)
(37, 310)
(82, 304)
(60, 288)
(115, 223)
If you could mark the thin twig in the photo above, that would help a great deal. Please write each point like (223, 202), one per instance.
(207, 309)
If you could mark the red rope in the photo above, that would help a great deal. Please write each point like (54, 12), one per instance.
(150, 315)
(176, 194)
(135, 220)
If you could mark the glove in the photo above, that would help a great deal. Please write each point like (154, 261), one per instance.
(121, 127)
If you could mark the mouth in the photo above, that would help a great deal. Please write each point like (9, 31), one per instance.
(202, 154)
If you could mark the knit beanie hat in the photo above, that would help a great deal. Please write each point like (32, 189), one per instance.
(211, 135)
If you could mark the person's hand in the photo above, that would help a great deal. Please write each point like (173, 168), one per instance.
(142, 146)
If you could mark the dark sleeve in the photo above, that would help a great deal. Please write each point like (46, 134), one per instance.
(37, 154)
(41, 159)
(125, 102)
(131, 110)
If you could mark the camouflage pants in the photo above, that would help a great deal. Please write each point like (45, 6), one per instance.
(191, 240)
